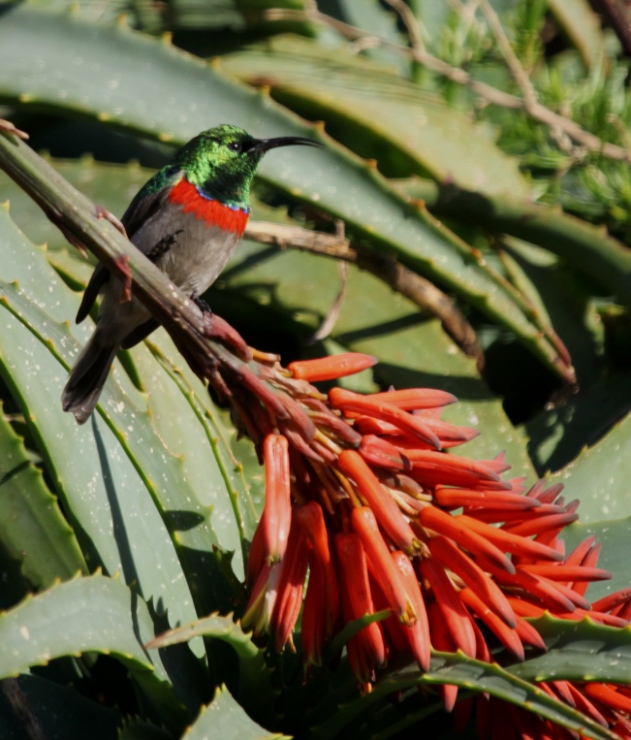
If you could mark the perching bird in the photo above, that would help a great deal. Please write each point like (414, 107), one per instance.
(188, 220)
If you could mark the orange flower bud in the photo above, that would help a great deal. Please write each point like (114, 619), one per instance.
(442, 640)
(293, 571)
(386, 510)
(411, 399)
(330, 368)
(533, 586)
(611, 601)
(381, 566)
(321, 607)
(586, 554)
(456, 617)
(453, 498)
(382, 454)
(539, 524)
(340, 398)
(450, 526)
(435, 468)
(366, 650)
(583, 704)
(554, 572)
(416, 635)
(506, 635)
(475, 578)
(609, 695)
(276, 518)
(515, 544)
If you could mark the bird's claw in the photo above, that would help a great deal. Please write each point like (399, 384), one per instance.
(201, 304)
(109, 216)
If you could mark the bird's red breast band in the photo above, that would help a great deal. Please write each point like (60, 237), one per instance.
(187, 196)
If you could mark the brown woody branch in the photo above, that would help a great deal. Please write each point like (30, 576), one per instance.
(400, 278)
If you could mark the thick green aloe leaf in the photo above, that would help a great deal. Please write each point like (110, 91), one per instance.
(110, 508)
(226, 719)
(255, 688)
(188, 96)
(205, 14)
(141, 487)
(32, 528)
(587, 248)
(599, 476)
(468, 674)
(381, 115)
(560, 436)
(579, 651)
(61, 712)
(88, 614)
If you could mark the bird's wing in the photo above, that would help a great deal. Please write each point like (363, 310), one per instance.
(145, 205)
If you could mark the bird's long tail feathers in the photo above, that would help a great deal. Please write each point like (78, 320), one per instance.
(88, 377)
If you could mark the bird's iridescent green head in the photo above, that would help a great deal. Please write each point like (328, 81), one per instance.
(222, 161)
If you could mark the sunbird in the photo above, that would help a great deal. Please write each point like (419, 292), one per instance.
(188, 219)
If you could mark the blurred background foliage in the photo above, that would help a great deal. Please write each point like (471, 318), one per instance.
(481, 145)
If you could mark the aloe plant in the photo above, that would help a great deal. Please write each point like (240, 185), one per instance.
(490, 161)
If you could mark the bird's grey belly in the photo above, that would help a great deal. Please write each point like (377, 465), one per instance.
(198, 253)
(191, 253)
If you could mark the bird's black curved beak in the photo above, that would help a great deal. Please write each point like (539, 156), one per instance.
(260, 146)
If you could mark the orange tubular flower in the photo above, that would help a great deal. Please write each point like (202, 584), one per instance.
(276, 518)
(381, 565)
(383, 505)
(366, 650)
(330, 368)
(475, 578)
(442, 640)
(276, 599)
(450, 604)
(415, 635)
(293, 570)
(461, 554)
(322, 601)
(412, 425)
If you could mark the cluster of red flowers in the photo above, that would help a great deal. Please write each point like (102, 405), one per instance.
(382, 518)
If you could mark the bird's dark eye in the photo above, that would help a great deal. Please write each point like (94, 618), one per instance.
(235, 146)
